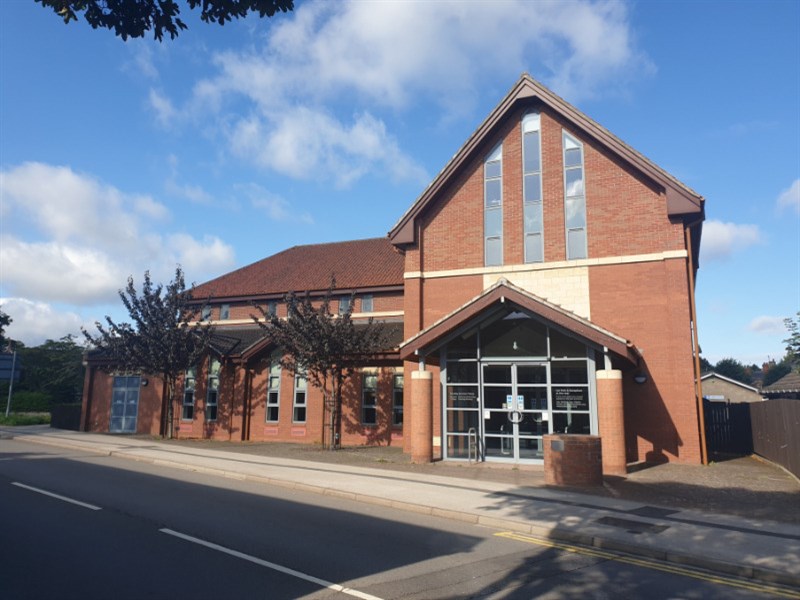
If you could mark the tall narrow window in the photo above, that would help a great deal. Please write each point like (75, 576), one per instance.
(205, 314)
(369, 399)
(574, 198)
(493, 207)
(532, 187)
(274, 390)
(224, 312)
(299, 408)
(212, 396)
(366, 303)
(187, 413)
(344, 304)
(272, 308)
(397, 400)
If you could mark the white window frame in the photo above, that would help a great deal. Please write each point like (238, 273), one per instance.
(189, 386)
(300, 398)
(212, 390)
(224, 312)
(344, 304)
(495, 156)
(531, 123)
(397, 399)
(369, 398)
(273, 390)
(367, 303)
(574, 253)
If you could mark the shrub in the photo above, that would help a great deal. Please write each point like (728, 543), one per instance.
(19, 419)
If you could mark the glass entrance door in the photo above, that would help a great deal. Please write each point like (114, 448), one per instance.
(515, 410)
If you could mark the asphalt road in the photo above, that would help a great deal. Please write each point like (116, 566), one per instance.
(80, 526)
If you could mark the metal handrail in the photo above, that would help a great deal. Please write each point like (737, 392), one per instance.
(472, 444)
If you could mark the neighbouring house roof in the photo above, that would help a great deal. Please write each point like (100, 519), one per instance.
(789, 383)
(681, 200)
(729, 380)
(356, 265)
(505, 292)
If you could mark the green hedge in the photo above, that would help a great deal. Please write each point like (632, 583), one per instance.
(24, 419)
(30, 402)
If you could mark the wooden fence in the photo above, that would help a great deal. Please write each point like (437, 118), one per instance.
(776, 432)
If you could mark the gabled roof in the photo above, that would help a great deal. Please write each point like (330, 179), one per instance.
(680, 198)
(711, 374)
(504, 292)
(356, 265)
(789, 383)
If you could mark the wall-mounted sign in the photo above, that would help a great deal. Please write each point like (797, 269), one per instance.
(570, 398)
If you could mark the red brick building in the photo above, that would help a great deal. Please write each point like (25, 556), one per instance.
(542, 283)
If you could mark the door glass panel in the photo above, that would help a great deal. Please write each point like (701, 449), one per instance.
(462, 372)
(460, 421)
(564, 346)
(499, 447)
(531, 374)
(515, 335)
(462, 396)
(569, 371)
(463, 346)
(531, 448)
(571, 423)
(495, 397)
(570, 398)
(534, 424)
(498, 423)
(534, 398)
(497, 374)
(457, 446)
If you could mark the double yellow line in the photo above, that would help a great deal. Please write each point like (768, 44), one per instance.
(754, 586)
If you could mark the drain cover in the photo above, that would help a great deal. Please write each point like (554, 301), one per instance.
(634, 527)
(653, 512)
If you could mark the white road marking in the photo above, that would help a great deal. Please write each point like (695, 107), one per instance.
(57, 496)
(270, 565)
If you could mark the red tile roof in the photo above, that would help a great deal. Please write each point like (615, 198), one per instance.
(357, 265)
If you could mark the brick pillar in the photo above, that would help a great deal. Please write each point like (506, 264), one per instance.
(421, 416)
(611, 421)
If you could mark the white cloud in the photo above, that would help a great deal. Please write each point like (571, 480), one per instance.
(390, 56)
(720, 240)
(789, 199)
(274, 206)
(211, 255)
(35, 322)
(91, 238)
(166, 114)
(304, 143)
(769, 325)
(193, 193)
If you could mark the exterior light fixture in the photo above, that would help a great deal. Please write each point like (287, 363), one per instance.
(640, 378)
(144, 382)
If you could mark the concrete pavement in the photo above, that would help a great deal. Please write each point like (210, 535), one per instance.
(744, 547)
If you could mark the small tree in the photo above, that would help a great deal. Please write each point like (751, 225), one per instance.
(793, 341)
(5, 321)
(730, 367)
(325, 348)
(163, 340)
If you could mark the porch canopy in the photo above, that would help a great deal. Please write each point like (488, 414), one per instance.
(504, 295)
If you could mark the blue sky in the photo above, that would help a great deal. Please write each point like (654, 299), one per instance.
(231, 143)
